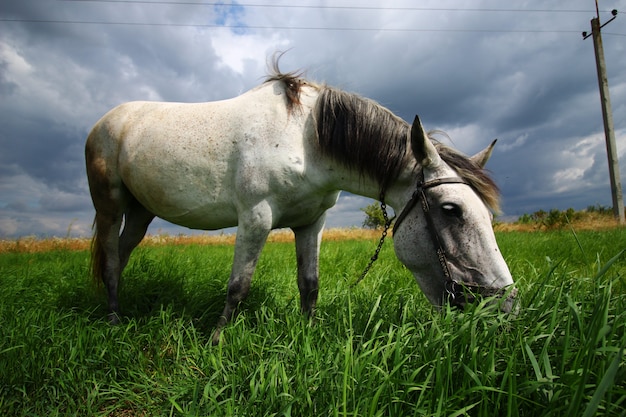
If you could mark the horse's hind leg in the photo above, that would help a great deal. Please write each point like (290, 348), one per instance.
(108, 194)
(111, 250)
(105, 256)
(136, 221)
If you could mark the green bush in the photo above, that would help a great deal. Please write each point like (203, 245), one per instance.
(374, 218)
(556, 218)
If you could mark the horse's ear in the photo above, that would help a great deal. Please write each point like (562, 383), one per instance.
(483, 156)
(422, 147)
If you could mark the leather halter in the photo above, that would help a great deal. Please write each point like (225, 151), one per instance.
(458, 293)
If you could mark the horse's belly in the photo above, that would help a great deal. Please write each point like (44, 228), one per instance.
(190, 207)
(216, 216)
(190, 195)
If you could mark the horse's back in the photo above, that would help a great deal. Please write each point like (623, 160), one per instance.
(216, 129)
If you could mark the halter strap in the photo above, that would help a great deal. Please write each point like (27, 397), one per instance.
(458, 293)
(419, 194)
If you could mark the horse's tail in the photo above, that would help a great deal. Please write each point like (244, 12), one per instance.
(97, 255)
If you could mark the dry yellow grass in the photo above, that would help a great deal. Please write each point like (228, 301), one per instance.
(33, 244)
(590, 221)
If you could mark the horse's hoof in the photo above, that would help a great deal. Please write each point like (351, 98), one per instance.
(216, 337)
(113, 318)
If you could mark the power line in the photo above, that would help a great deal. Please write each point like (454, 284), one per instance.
(308, 28)
(243, 26)
(300, 6)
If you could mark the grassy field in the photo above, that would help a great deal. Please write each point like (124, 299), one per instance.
(377, 349)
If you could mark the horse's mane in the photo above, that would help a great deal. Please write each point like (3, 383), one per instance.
(365, 136)
(361, 134)
(478, 177)
(292, 81)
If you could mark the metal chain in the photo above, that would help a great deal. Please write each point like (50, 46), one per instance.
(374, 257)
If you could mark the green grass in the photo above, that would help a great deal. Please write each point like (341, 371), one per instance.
(378, 349)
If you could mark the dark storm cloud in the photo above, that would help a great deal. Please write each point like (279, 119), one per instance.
(526, 78)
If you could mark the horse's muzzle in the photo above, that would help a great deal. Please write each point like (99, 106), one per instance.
(460, 295)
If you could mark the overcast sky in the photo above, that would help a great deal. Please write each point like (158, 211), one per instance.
(518, 71)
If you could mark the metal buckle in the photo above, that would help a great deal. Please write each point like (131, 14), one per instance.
(451, 290)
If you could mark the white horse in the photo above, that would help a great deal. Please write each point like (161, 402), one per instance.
(278, 156)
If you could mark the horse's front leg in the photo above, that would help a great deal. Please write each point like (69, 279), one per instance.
(252, 233)
(308, 241)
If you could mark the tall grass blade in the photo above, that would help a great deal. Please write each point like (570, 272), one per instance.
(605, 384)
(541, 285)
(464, 410)
(533, 362)
(580, 246)
(607, 265)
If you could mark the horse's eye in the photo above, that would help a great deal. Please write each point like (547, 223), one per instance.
(451, 209)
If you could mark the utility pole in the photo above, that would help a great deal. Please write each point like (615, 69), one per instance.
(607, 115)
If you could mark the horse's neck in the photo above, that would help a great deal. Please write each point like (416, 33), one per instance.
(397, 193)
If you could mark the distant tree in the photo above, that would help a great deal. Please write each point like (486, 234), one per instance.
(374, 218)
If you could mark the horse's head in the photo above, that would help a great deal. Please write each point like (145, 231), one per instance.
(444, 234)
